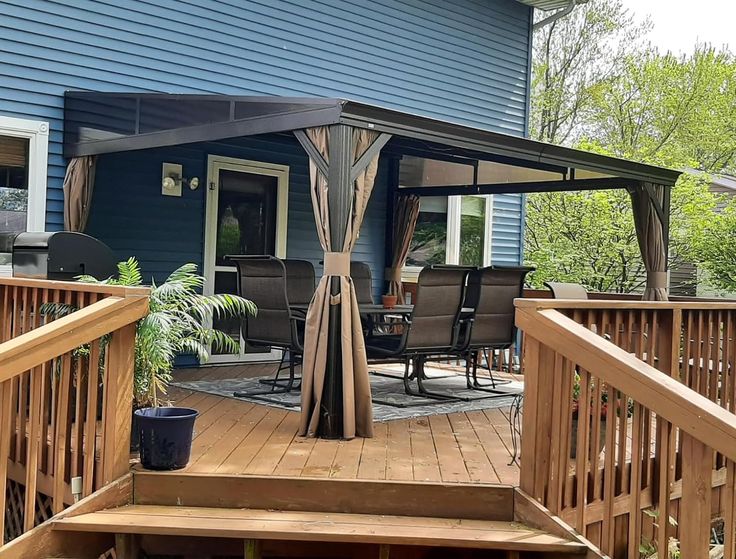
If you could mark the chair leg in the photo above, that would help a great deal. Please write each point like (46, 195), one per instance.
(477, 385)
(274, 381)
(276, 387)
(468, 357)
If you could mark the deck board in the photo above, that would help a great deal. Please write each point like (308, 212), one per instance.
(318, 526)
(236, 437)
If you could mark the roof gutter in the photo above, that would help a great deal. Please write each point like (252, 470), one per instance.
(557, 15)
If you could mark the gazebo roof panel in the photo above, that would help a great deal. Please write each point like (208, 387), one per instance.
(97, 123)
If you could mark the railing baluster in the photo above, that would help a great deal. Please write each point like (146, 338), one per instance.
(729, 516)
(118, 403)
(663, 459)
(90, 426)
(62, 434)
(582, 450)
(6, 433)
(696, 498)
(554, 499)
(635, 516)
(33, 447)
(595, 438)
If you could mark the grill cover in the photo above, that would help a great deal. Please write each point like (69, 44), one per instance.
(62, 255)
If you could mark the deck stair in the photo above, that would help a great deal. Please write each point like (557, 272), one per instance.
(312, 526)
(205, 515)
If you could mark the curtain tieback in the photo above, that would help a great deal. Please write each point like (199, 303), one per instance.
(657, 279)
(337, 264)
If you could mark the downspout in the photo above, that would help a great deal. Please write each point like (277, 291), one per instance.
(557, 15)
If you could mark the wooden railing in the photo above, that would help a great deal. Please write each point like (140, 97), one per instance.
(66, 379)
(629, 432)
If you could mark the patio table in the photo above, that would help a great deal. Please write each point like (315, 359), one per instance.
(372, 309)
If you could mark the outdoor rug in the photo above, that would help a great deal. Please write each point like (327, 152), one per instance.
(389, 399)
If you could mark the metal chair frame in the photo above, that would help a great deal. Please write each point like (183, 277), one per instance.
(294, 347)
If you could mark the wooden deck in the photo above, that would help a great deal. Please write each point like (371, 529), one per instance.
(235, 437)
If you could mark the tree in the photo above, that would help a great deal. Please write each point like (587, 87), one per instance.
(571, 57)
(637, 104)
(677, 111)
(713, 247)
(583, 237)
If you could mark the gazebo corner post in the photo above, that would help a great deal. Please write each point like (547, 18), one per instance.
(666, 203)
(339, 197)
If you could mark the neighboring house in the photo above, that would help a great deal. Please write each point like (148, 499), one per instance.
(466, 61)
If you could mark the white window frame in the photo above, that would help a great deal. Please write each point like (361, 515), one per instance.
(37, 134)
(452, 249)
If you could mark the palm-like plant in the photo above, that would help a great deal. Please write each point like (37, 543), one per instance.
(179, 321)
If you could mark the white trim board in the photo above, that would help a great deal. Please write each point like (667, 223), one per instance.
(215, 164)
(37, 134)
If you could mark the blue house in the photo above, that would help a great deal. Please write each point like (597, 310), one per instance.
(465, 62)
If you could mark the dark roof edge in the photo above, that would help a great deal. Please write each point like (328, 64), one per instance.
(320, 111)
(459, 135)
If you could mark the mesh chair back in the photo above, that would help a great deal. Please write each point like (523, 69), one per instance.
(363, 282)
(562, 290)
(299, 281)
(491, 292)
(263, 281)
(434, 318)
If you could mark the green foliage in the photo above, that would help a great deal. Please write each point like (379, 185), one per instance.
(676, 111)
(571, 58)
(714, 247)
(648, 548)
(609, 94)
(583, 237)
(589, 237)
(179, 321)
(428, 242)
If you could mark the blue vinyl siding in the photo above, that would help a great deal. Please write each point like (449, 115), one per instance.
(163, 232)
(465, 61)
(507, 230)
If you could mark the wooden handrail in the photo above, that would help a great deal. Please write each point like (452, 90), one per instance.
(78, 286)
(705, 420)
(34, 348)
(540, 304)
(66, 393)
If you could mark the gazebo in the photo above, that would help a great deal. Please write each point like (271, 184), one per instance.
(344, 140)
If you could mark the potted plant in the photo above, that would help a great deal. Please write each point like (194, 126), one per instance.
(389, 301)
(179, 321)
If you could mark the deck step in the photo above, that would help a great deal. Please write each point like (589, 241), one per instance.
(317, 526)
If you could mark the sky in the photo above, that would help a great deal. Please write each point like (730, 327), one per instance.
(679, 24)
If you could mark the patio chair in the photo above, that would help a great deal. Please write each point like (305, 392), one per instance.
(299, 281)
(561, 290)
(490, 325)
(363, 282)
(431, 330)
(262, 279)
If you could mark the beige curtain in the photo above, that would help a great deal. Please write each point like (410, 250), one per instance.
(405, 221)
(79, 183)
(650, 231)
(357, 408)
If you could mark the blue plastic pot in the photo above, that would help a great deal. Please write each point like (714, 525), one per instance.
(165, 436)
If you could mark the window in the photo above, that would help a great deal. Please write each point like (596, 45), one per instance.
(23, 163)
(13, 183)
(472, 231)
(451, 230)
(429, 243)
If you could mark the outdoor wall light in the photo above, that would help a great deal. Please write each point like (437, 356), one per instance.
(172, 180)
